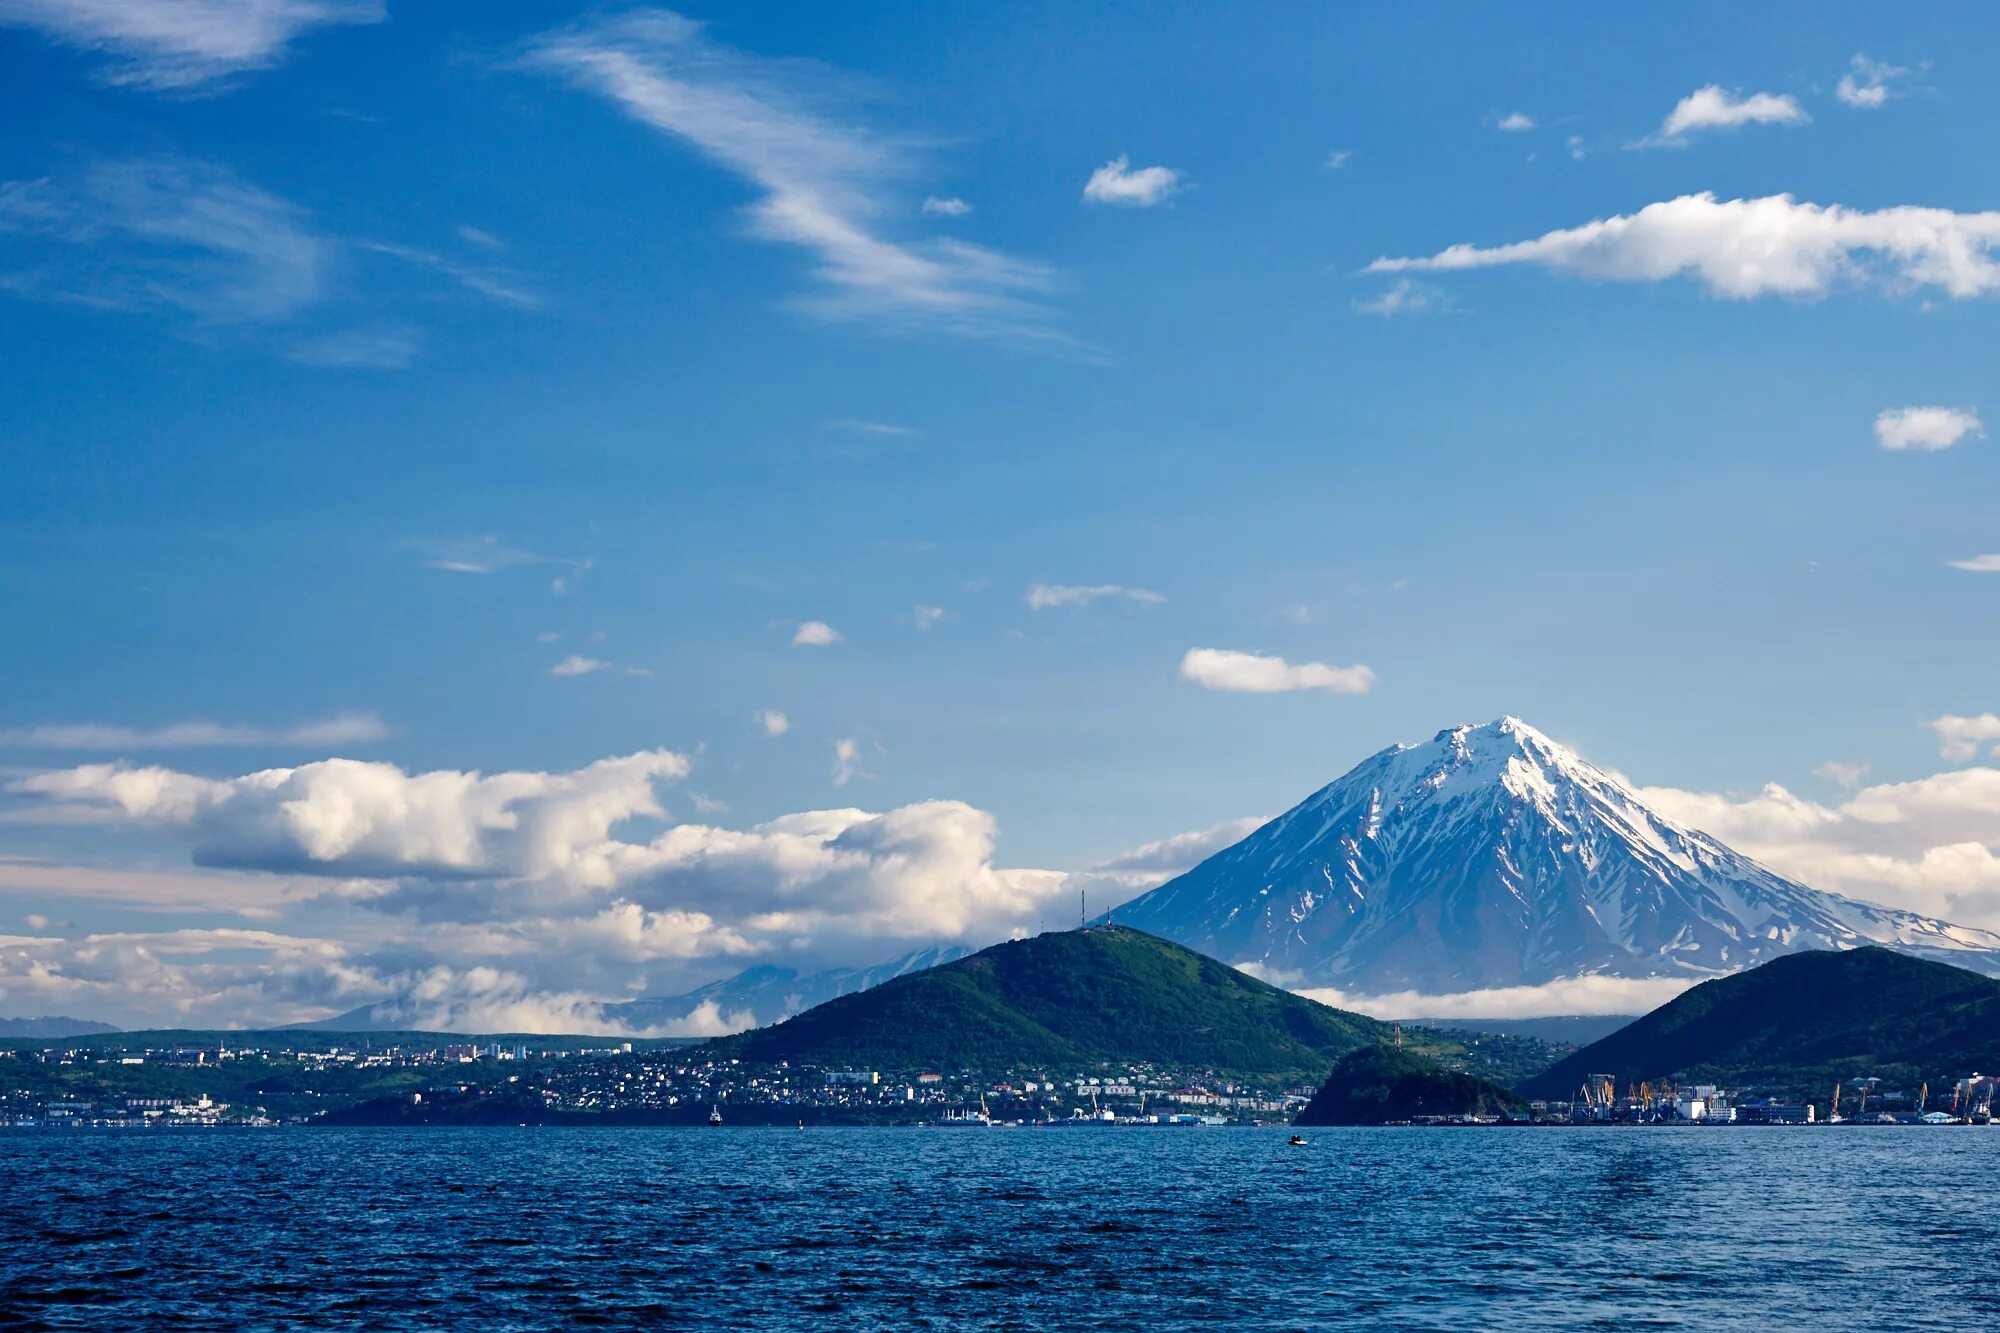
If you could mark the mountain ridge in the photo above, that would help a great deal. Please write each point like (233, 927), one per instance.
(1490, 857)
(1069, 999)
(1804, 1020)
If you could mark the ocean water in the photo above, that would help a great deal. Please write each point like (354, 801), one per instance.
(495, 1229)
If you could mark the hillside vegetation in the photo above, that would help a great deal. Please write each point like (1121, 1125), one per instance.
(1070, 1000)
(1801, 1022)
(1378, 1084)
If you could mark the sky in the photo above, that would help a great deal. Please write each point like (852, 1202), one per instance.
(523, 505)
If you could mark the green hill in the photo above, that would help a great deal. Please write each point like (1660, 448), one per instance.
(1067, 1001)
(1377, 1084)
(1802, 1021)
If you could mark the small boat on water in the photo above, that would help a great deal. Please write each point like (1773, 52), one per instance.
(1296, 1141)
(715, 1117)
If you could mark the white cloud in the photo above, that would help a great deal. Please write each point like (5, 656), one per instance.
(168, 235)
(1117, 183)
(1926, 428)
(846, 761)
(929, 617)
(945, 208)
(1042, 596)
(481, 555)
(822, 185)
(815, 634)
(179, 45)
(1406, 296)
(342, 729)
(360, 349)
(343, 817)
(1978, 564)
(499, 285)
(1865, 86)
(463, 846)
(576, 664)
(1154, 863)
(1927, 845)
(1959, 738)
(860, 426)
(1714, 108)
(1516, 122)
(773, 722)
(1337, 159)
(1743, 248)
(1248, 673)
(513, 900)
(1571, 995)
(1843, 774)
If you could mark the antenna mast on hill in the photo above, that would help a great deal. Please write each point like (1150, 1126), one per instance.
(1082, 911)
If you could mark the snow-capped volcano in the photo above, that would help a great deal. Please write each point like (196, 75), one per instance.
(1493, 856)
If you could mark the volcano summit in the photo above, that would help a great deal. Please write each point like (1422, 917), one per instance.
(1492, 856)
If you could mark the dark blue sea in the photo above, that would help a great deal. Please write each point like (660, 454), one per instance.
(494, 1229)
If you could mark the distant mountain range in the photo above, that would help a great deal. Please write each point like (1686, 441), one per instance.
(766, 994)
(1804, 1021)
(1066, 1001)
(1494, 857)
(52, 1025)
(756, 995)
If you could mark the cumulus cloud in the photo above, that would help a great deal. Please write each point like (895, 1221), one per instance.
(945, 208)
(823, 185)
(344, 817)
(1978, 564)
(1117, 182)
(1248, 673)
(928, 617)
(1927, 845)
(341, 729)
(1715, 108)
(1959, 738)
(463, 845)
(1744, 248)
(1515, 122)
(1043, 596)
(1405, 296)
(1337, 159)
(1843, 774)
(576, 664)
(774, 722)
(182, 45)
(815, 634)
(1111, 881)
(1866, 85)
(1926, 428)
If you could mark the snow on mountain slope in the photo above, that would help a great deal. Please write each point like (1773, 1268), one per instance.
(1493, 856)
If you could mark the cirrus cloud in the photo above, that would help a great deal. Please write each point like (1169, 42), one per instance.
(182, 45)
(1043, 596)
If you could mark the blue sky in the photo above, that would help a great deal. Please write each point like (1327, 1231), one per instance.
(364, 366)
